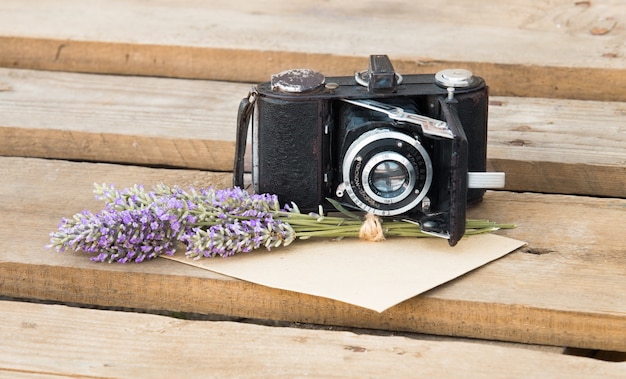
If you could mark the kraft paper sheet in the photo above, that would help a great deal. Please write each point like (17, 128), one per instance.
(373, 275)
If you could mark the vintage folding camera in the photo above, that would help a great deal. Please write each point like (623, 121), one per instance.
(409, 146)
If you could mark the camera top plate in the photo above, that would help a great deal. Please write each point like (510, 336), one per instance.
(379, 81)
(346, 87)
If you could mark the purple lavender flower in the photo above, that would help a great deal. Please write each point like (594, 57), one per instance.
(239, 236)
(116, 236)
(137, 225)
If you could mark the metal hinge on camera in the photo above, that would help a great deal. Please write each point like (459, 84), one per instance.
(430, 126)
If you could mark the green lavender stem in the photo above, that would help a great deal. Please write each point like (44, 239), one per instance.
(137, 225)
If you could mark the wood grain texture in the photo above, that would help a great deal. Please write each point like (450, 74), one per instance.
(151, 121)
(552, 146)
(550, 49)
(564, 146)
(565, 289)
(105, 344)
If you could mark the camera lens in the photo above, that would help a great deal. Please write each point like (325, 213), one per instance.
(386, 172)
(388, 177)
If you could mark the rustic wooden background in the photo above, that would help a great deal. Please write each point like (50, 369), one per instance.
(131, 92)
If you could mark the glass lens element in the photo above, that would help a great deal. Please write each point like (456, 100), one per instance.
(388, 177)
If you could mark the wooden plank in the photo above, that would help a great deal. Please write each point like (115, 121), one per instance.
(564, 146)
(552, 146)
(184, 123)
(570, 49)
(106, 344)
(566, 289)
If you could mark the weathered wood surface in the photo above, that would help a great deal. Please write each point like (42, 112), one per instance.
(549, 49)
(147, 121)
(53, 341)
(566, 288)
(552, 146)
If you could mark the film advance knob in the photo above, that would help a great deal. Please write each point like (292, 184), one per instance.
(297, 80)
(455, 78)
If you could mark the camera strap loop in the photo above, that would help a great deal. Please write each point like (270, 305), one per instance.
(244, 115)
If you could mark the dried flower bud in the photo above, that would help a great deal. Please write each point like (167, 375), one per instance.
(138, 225)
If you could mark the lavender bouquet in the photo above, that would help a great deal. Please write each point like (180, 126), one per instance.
(138, 225)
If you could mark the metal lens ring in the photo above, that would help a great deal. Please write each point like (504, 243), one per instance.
(386, 172)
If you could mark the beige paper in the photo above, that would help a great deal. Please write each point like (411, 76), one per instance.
(373, 275)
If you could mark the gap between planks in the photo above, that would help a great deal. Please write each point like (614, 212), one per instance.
(570, 50)
(62, 341)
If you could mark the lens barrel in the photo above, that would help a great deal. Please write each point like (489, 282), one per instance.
(386, 172)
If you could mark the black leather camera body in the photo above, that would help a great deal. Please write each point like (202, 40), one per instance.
(407, 146)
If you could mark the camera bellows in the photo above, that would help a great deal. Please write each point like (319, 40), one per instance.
(372, 229)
